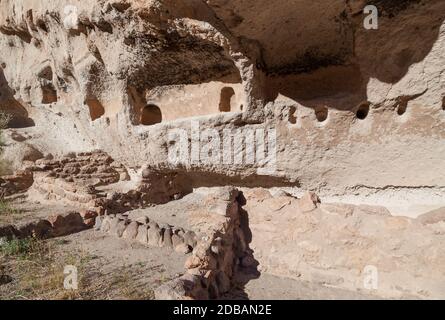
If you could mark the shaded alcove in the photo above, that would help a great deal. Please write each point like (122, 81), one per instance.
(243, 272)
(18, 114)
(321, 113)
(401, 108)
(189, 73)
(225, 103)
(97, 110)
(292, 118)
(344, 84)
(362, 111)
(151, 114)
(49, 93)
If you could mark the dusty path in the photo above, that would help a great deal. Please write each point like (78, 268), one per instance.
(270, 287)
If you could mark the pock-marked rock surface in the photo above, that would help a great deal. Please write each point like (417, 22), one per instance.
(261, 145)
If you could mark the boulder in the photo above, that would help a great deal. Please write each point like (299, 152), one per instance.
(177, 240)
(131, 231)
(106, 224)
(154, 235)
(142, 234)
(183, 248)
(190, 239)
(309, 202)
(120, 228)
(167, 238)
(66, 223)
(98, 223)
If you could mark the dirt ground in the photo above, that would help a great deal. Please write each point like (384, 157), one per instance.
(108, 268)
(111, 268)
(269, 287)
(22, 210)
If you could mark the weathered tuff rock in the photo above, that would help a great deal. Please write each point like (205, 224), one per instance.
(18, 182)
(348, 108)
(182, 248)
(309, 202)
(142, 236)
(154, 235)
(334, 243)
(55, 225)
(346, 102)
(131, 231)
(214, 260)
(63, 224)
(148, 232)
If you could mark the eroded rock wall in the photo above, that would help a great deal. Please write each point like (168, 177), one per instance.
(356, 111)
(342, 246)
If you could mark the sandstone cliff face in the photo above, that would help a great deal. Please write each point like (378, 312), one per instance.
(356, 111)
(272, 97)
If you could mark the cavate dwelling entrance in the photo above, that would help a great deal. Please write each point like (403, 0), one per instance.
(151, 114)
(225, 103)
(96, 108)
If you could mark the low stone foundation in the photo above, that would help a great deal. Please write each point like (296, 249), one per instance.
(215, 242)
(21, 181)
(148, 232)
(221, 246)
(53, 226)
(89, 168)
(58, 189)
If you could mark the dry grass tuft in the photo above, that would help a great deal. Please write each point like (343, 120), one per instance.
(34, 270)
